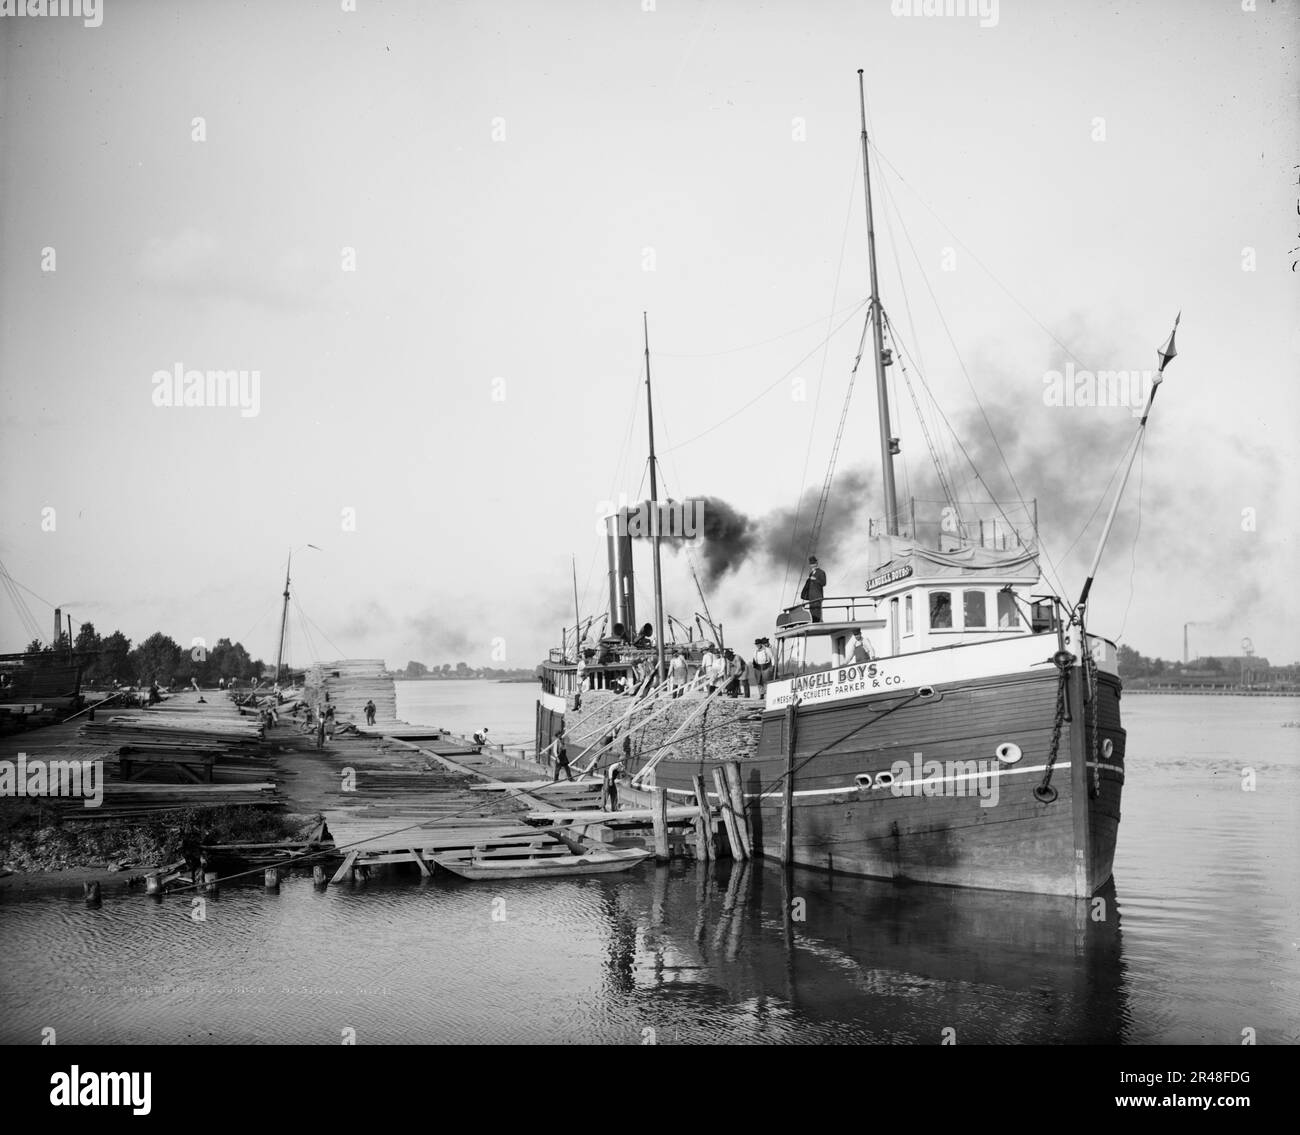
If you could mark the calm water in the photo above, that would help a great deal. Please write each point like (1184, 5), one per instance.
(1201, 938)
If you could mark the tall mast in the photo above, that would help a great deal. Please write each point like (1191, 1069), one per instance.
(284, 619)
(654, 510)
(882, 394)
(1163, 355)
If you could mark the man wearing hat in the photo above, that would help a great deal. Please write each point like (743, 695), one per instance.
(763, 665)
(813, 589)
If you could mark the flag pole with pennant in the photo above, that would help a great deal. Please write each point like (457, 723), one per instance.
(1165, 354)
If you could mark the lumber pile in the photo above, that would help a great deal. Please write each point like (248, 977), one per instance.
(350, 683)
(123, 801)
(176, 732)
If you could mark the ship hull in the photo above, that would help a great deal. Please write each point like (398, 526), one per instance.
(909, 787)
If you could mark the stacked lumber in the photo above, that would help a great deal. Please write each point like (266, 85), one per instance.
(350, 683)
(176, 732)
(124, 801)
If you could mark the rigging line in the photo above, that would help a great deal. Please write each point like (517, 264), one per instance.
(938, 452)
(983, 414)
(29, 591)
(820, 515)
(1036, 321)
(925, 431)
(315, 652)
(751, 346)
(1101, 500)
(1137, 532)
(311, 622)
(766, 390)
(30, 625)
(984, 484)
(821, 383)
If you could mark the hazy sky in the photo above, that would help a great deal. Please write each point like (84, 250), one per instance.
(516, 183)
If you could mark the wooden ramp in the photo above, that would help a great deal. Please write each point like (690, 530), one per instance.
(366, 841)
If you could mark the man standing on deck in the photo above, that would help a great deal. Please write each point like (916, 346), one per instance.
(370, 712)
(677, 675)
(763, 666)
(706, 669)
(813, 590)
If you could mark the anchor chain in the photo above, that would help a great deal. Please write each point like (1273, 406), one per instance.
(1044, 792)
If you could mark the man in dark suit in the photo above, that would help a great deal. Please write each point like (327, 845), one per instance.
(813, 590)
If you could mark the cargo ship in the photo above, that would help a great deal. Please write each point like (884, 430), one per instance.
(954, 722)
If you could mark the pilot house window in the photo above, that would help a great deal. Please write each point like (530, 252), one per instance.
(940, 610)
(973, 604)
(1008, 615)
(907, 615)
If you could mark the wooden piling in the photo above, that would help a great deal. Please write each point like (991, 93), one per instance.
(91, 892)
(787, 795)
(210, 882)
(153, 884)
(705, 848)
(659, 817)
(728, 814)
(736, 787)
(272, 878)
(318, 876)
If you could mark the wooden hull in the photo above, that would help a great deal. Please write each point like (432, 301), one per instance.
(958, 815)
(593, 863)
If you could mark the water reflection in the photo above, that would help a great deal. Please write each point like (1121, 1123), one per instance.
(864, 960)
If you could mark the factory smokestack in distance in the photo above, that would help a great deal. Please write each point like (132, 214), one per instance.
(622, 578)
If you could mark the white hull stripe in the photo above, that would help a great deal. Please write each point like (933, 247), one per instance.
(1059, 766)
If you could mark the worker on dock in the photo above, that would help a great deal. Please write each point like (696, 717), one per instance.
(370, 712)
(561, 757)
(611, 786)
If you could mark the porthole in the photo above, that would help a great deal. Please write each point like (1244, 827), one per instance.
(863, 780)
(1008, 752)
(884, 779)
(1107, 747)
(925, 692)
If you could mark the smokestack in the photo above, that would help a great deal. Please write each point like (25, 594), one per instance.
(58, 626)
(622, 580)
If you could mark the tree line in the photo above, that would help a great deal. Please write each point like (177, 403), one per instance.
(111, 659)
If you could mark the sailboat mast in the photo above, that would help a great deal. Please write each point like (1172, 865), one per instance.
(284, 618)
(654, 513)
(882, 394)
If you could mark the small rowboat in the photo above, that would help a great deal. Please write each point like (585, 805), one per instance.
(543, 867)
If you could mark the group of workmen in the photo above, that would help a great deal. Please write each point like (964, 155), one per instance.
(726, 671)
